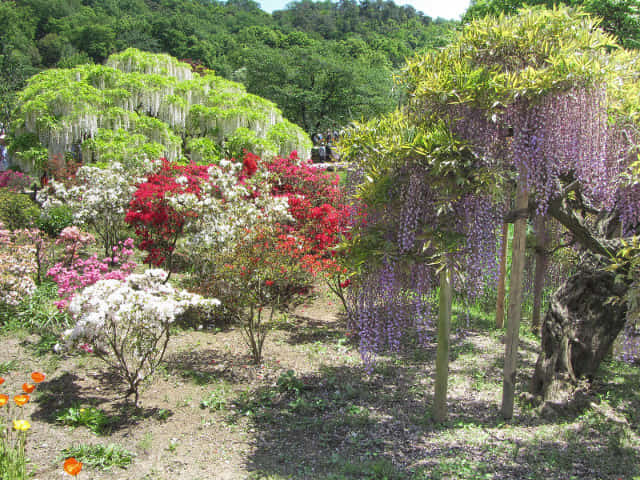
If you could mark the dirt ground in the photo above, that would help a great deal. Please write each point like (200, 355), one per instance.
(329, 420)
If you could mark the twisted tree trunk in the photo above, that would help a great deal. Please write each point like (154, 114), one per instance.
(578, 331)
(589, 309)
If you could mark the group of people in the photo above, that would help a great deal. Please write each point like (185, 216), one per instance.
(323, 147)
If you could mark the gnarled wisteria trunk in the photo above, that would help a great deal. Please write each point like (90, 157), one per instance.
(578, 331)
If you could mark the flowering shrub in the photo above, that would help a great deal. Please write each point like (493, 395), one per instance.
(156, 221)
(15, 181)
(255, 234)
(261, 273)
(99, 200)
(17, 267)
(316, 202)
(235, 197)
(127, 322)
(209, 207)
(75, 273)
(322, 216)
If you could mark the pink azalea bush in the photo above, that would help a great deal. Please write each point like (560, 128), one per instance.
(15, 181)
(75, 273)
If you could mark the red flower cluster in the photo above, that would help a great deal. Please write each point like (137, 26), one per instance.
(315, 201)
(156, 223)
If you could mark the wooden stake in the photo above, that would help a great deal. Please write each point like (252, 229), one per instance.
(502, 277)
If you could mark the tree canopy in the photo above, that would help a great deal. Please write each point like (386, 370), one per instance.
(619, 17)
(141, 105)
(323, 64)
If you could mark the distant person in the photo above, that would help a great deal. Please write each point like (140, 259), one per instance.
(4, 154)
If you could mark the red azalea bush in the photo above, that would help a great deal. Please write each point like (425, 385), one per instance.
(156, 222)
(316, 201)
(322, 216)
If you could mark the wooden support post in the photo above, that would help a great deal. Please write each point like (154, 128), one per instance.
(442, 353)
(515, 303)
(502, 277)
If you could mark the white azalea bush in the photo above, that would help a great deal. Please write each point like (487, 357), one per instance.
(227, 210)
(98, 201)
(127, 322)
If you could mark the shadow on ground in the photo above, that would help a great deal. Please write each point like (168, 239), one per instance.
(341, 423)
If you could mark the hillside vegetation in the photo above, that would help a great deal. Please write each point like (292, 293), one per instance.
(323, 64)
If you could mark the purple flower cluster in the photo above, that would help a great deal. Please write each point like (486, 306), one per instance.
(383, 308)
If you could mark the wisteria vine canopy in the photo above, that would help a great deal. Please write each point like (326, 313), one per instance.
(143, 105)
(544, 91)
(543, 97)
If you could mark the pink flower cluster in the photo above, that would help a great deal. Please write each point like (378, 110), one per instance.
(73, 240)
(75, 273)
(14, 181)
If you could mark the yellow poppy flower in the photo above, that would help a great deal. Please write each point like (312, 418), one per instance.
(21, 425)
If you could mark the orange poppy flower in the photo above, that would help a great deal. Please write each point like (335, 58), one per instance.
(28, 387)
(21, 399)
(1, 380)
(37, 377)
(72, 466)
(3, 400)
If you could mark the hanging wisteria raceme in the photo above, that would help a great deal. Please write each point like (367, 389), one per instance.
(398, 296)
(564, 134)
(479, 220)
(387, 303)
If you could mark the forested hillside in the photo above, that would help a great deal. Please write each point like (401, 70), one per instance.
(322, 63)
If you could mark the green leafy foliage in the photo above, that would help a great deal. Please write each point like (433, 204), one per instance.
(55, 219)
(101, 457)
(17, 210)
(619, 17)
(91, 417)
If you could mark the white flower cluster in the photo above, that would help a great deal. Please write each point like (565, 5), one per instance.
(226, 210)
(142, 307)
(17, 267)
(100, 200)
(102, 193)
